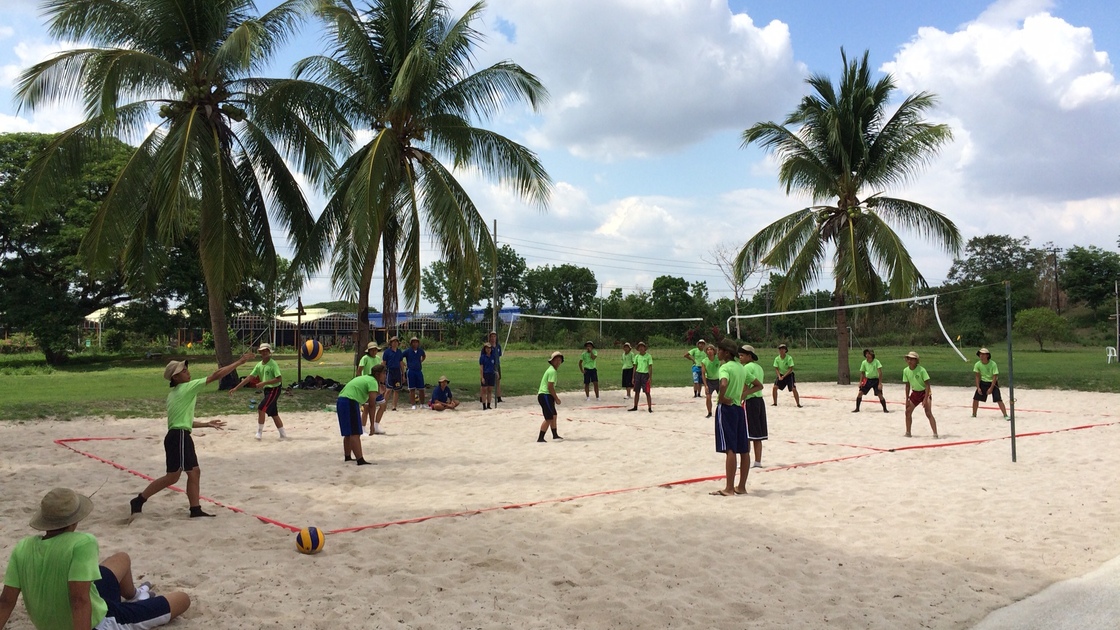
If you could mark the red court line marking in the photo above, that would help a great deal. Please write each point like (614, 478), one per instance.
(66, 443)
(601, 493)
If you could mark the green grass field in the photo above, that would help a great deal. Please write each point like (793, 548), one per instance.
(134, 388)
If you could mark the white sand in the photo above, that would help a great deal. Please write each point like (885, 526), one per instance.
(932, 538)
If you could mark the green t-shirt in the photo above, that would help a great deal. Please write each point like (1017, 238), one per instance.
(711, 368)
(643, 362)
(588, 359)
(359, 388)
(754, 372)
(267, 371)
(41, 570)
(735, 373)
(697, 355)
(870, 370)
(916, 377)
(628, 360)
(986, 371)
(180, 404)
(549, 377)
(366, 363)
(783, 365)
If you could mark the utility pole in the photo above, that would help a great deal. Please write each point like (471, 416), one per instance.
(1054, 251)
(497, 307)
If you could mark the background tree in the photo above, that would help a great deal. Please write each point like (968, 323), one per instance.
(209, 161)
(1089, 275)
(511, 273)
(403, 68)
(453, 302)
(564, 291)
(1040, 324)
(978, 315)
(840, 141)
(723, 256)
(45, 288)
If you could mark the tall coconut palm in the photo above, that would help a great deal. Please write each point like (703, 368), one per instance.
(403, 70)
(841, 141)
(214, 157)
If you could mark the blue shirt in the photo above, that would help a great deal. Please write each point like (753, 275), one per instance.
(488, 363)
(496, 352)
(441, 394)
(414, 358)
(392, 359)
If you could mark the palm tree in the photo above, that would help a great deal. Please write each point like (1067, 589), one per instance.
(208, 162)
(403, 69)
(839, 141)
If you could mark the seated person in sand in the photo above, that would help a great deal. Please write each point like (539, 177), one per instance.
(64, 587)
(442, 398)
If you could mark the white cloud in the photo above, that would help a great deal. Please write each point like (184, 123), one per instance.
(1037, 104)
(642, 77)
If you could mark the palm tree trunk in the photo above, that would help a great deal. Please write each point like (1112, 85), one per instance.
(219, 330)
(843, 370)
(361, 338)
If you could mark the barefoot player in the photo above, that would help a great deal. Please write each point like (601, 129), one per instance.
(730, 423)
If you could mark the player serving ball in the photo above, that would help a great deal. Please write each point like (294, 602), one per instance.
(871, 371)
(265, 375)
(177, 444)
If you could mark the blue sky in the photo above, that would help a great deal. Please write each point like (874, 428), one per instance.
(649, 98)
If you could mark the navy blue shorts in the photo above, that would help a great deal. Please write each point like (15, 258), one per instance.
(179, 449)
(268, 403)
(548, 407)
(871, 384)
(590, 375)
(755, 409)
(731, 429)
(147, 613)
(415, 379)
(488, 379)
(349, 416)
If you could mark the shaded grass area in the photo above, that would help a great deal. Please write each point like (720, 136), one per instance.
(133, 387)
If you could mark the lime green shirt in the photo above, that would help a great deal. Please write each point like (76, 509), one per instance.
(366, 364)
(916, 378)
(697, 355)
(42, 569)
(870, 370)
(735, 374)
(986, 372)
(711, 368)
(549, 377)
(754, 372)
(180, 404)
(643, 363)
(783, 365)
(628, 360)
(266, 371)
(588, 359)
(359, 388)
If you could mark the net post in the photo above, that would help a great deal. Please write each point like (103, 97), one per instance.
(1010, 371)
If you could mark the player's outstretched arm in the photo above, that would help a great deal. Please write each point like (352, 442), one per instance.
(220, 373)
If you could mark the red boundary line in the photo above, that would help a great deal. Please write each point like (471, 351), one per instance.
(516, 506)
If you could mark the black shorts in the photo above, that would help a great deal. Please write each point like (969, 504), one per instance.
(393, 380)
(590, 375)
(788, 382)
(871, 384)
(628, 377)
(548, 407)
(755, 408)
(179, 448)
(641, 381)
(488, 379)
(268, 403)
(985, 389)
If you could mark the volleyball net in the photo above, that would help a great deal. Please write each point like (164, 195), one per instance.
(846, 307)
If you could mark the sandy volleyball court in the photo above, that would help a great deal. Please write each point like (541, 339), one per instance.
(930, 537)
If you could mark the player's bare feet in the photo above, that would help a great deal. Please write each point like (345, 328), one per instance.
(740, 490)
(907, 435)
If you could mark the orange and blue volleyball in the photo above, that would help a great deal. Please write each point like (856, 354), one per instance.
(312, 350)
(310, 540)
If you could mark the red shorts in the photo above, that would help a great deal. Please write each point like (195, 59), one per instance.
(917, 397)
